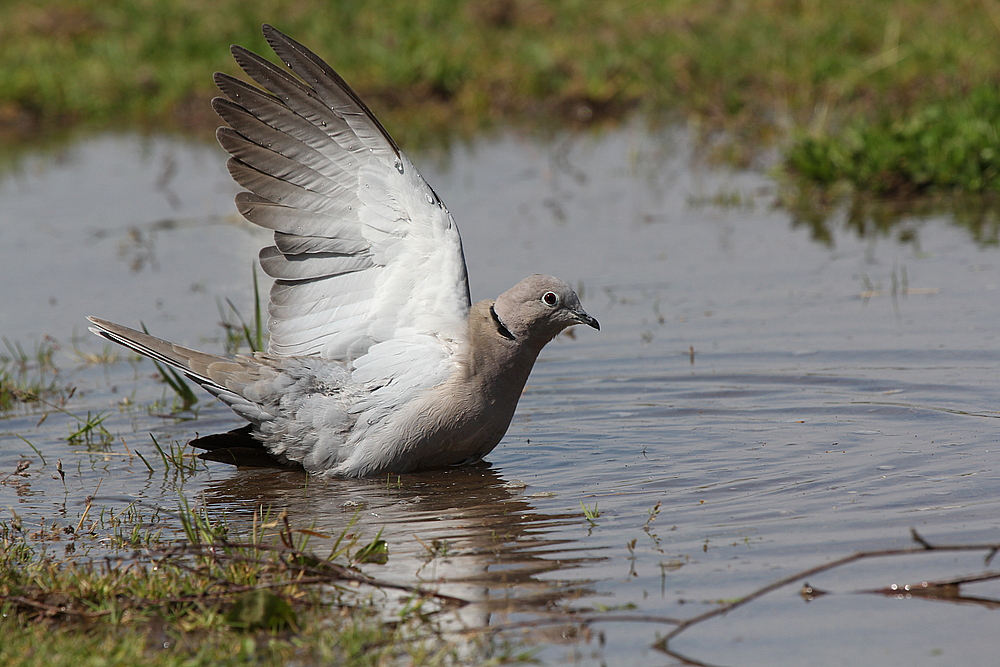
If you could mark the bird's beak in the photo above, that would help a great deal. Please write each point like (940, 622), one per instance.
(584, 318)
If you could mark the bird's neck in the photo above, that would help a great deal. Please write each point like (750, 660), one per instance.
(497, 357)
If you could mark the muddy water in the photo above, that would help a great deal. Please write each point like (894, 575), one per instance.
(782, 401)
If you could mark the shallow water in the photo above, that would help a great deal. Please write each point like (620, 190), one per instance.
(785, 401)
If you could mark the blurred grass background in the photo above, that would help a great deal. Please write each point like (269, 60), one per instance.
(848, 91)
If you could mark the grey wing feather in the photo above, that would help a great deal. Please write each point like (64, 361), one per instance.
(299, 222)
(364, 251)
(332, 89)
(308, 266)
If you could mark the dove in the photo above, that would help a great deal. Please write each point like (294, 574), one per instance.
(378, 362)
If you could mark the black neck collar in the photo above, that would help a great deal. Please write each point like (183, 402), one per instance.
(501, 329)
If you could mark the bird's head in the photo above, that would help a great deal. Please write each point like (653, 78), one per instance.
(538, 308)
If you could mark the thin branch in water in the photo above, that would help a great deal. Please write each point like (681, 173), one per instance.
(925, 547)
(945, 590)
(942, 590)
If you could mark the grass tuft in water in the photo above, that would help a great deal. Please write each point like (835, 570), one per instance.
(27, 378)
(175, 457)
(236, 328)
(376, 551)
(590, 513)
(212, 598)
(90, 431)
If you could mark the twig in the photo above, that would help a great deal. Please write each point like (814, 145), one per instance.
(52, 610)
(583, 618)
(86, 510)
(945, 590)
(925, 547)
(680, 625)
(326, 572)
(919, 540)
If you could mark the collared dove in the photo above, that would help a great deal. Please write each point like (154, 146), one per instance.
(378, 362)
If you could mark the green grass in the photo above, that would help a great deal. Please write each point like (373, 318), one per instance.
(858, 82)
(238, 331)
(212, 598)
(946, 146)
(29, 378)
(590, 513)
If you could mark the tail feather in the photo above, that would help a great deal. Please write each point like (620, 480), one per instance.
(214, 373)
(222, 377)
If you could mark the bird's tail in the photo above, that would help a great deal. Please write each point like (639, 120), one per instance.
(214, 373)
(224, 378)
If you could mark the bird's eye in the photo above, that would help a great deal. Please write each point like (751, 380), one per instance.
(550, 298)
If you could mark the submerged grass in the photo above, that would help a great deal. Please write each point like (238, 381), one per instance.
(28, 378)
(211, 598)
(861, 83)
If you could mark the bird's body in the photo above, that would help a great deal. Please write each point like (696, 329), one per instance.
(377, 360)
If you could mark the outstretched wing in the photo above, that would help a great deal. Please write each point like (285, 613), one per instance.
(364, 251)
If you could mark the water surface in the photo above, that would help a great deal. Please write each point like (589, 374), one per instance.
(782, 401)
